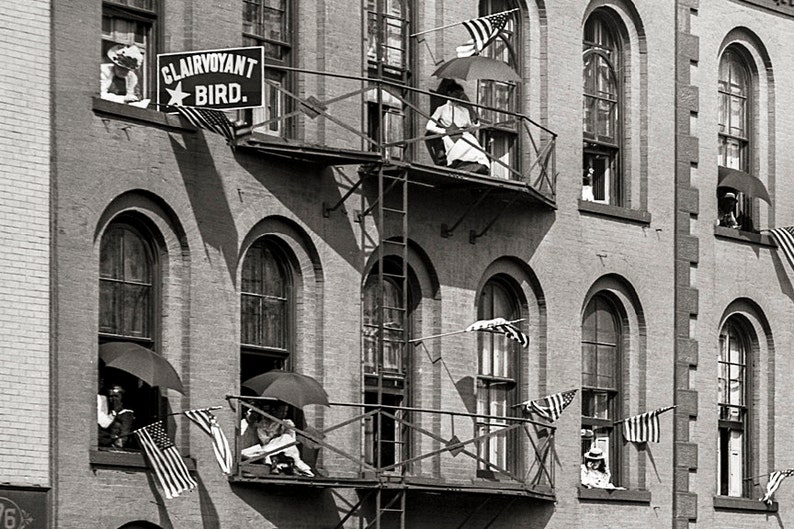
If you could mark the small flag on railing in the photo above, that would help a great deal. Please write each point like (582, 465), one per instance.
(550, 407)
(170, 469)
(644, 427)
(784, 238)
(209, 119)
(500, 325)
(209, 424)
(775, 479)
(483, 31)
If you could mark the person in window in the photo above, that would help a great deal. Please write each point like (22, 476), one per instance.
(595, 473)
(727, 207)
(114, 421)
(118, 79)
(462, 148)
(587, 185)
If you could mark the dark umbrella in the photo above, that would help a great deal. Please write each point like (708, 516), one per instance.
(286, 386)
(476, 67)
(744, 182)
(142, 363)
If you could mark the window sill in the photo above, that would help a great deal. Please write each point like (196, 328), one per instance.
(143, 115)
(615, 495)
(730, 503)
(615, 212)
(126, 460)
(743, 236)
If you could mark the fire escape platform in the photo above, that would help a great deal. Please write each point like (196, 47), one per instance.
(448, 179)
(305, 152)
(415, 485)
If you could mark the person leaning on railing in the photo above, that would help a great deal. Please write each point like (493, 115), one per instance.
(463, 150)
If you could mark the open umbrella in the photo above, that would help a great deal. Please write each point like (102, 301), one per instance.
(744, 182)
(142, 363)
(286, 386)
(476, 67)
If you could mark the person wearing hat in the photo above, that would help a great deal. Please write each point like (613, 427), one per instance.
(116, 433)
(595, 473)
(118, 79)
(727, 206)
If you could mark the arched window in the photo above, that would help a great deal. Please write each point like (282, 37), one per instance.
(497, 377)
(735, 109)
(128, 303)
(502, 141)
(602, 339)
(734, 462)
(266, 310)
(602, 111)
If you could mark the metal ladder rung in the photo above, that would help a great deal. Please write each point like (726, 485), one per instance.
(395, 243)
(393, 210)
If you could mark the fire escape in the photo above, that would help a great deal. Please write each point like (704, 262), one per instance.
(373, 126)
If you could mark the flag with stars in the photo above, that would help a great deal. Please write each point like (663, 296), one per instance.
(483, 31)
(502, 326)
(775, 479)
(168, 465)
(209, 119)
(550, 407)
(205, 420)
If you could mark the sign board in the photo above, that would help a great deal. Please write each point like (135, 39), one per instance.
(226, 79)
(23, 509)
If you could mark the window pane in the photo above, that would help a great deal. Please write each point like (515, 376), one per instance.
(264, 305)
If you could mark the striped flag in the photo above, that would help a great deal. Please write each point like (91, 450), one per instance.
(483, 30)
(170, 469)
(500, 325)
(209, 119)
(775, 479)
(784, 238)
(550, 408)
(209, 424)
(644, 427)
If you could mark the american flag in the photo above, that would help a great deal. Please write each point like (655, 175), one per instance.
(207, 422)
(209, 119)
(775, 479)
(500, 325)
(644, 427)
(784, 238)
(550, 407)
(170, 469)
(483, 30)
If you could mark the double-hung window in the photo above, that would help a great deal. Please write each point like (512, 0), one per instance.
(128, 23)
(268, 23)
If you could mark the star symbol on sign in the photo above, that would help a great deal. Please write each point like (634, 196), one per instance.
(177, 95)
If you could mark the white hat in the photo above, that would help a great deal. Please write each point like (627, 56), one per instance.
(595, 454)
(129, 57)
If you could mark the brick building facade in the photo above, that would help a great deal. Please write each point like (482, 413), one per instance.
(328, 242)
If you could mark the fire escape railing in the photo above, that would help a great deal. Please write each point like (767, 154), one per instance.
(339, 119)
(436, 454)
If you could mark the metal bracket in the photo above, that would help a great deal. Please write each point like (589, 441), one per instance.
(328, 209)
(473, 236)
(447, 231)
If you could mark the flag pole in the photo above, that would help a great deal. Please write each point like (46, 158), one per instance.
(450, 333)
(543, 397)
(458, 23)
(167, 415)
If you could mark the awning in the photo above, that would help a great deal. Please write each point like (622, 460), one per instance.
(743, 182)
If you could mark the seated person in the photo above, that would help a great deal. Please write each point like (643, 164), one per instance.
(118, 80)
(272, 438)
(462, 148)
(727, 208)
(113, 420)
(594, 470)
